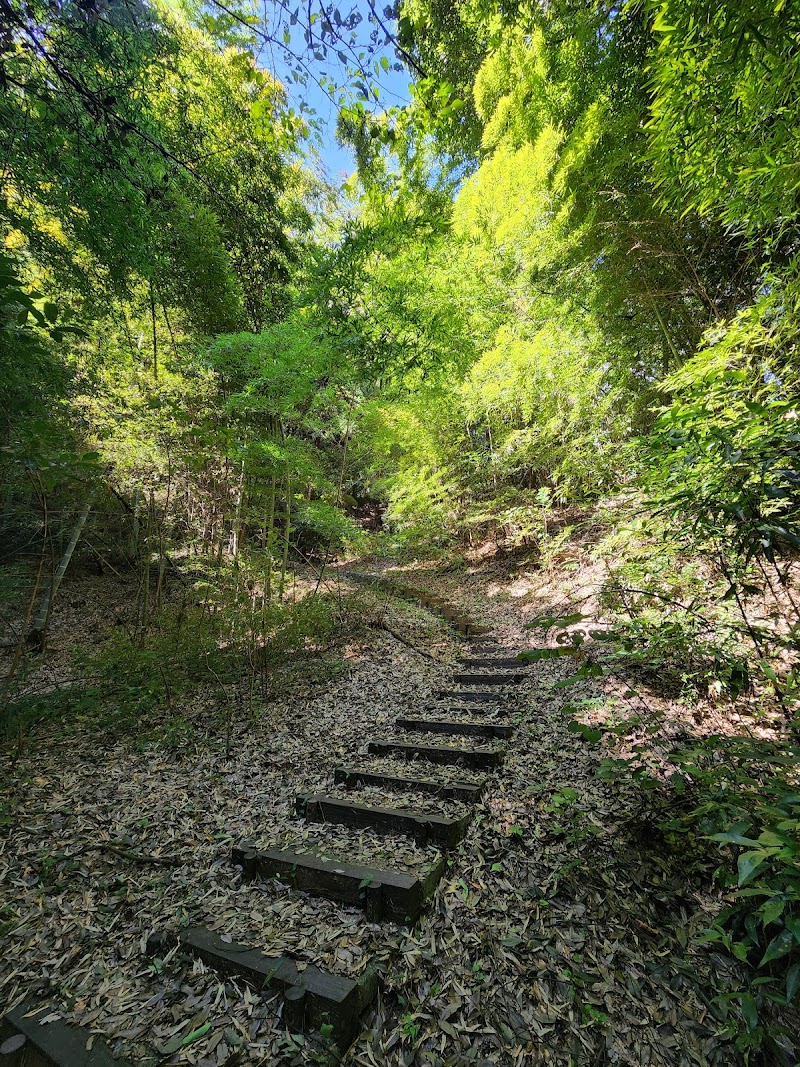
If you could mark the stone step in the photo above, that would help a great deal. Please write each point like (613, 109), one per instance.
(424, 828)
(468, 627)
(433, 602)
(497, 662)
(482, 710)
(451, 614)
(404, 591)
(488, 679)
(470, 729)
(472, 698)
(313, 998)
(352, 778)
(384, 894)
(28, 1043)
(480, 758)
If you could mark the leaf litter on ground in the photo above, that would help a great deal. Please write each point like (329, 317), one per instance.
(561, 932)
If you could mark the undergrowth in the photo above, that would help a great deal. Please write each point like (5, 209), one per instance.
(727, 805)
(182, 679)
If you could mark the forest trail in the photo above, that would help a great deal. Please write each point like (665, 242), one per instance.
(551, 926)
(312, 998)
(526, 342)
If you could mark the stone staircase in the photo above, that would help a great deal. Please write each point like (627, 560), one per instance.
(441, 735)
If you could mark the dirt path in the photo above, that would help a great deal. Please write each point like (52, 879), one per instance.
(562, 932)
(558, 934)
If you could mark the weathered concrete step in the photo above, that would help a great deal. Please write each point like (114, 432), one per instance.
(352, 778)
(384, 894)
(488, 679)
(483, 709)
(470, 729)
(441, 607)
(430, 601)
(54, 1044)
(473, 698)
(469, 757)
(462, 623)
(469, 627)
(498, 662)
(421, 826)
(312, 997)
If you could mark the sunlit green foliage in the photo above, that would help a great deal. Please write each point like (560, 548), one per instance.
(723, 126)
(567, 268)
(727, 446)
(149, 153)
(550, 413)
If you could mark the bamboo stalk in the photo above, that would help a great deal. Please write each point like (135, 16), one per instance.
(133, 545)
(285, 554)
(39, 629)
(146, 572)
(155, 336)
(237, 512)
(268, 540)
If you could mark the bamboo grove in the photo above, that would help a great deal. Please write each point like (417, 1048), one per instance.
(559, 288)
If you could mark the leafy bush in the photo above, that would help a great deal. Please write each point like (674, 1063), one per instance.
(736, 791)
(722, 469)
(551, 415)
(142, 683)
(724, 456)
(744, 795)
(668, 613)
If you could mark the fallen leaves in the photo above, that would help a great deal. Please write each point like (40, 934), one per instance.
(555, 936)
(109, 844)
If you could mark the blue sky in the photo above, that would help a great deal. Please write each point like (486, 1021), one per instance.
(393, 85)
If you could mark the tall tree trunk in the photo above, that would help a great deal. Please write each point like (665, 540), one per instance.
(285, 556)
(7, 682)
(269, 538)
(338, 496)
(133, 545)
(37, 633)
(237, 514)
(155, 337)
(146, 570)
(7, 507)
